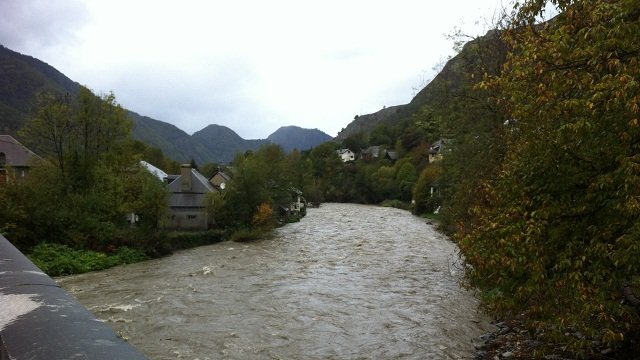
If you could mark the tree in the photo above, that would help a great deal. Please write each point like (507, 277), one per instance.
(406, 176)
(50, 130)
(561, 215)
(425, 195)
(88, 182)
(259, 181)
(78, 134)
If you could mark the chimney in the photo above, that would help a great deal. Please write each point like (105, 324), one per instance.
(185, 178)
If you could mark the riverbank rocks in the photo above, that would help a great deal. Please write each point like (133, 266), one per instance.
(510, 341)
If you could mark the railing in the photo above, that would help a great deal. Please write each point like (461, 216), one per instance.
(39, 320)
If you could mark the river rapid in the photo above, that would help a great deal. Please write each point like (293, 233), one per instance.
(347, 282)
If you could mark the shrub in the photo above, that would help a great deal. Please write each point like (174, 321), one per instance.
(56, 259)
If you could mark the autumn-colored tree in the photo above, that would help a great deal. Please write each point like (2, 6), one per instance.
(557, 236)
(264, 217)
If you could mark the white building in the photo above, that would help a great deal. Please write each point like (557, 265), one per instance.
(346, 155)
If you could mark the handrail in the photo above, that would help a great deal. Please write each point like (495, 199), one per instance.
(41, 321)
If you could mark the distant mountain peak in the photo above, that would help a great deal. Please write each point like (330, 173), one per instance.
(294, 137)
(22, 77)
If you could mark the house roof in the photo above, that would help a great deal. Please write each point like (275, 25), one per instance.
(343, 151)
(154, 170)
(438, 146)
(223, 174)
(374, 151)
(200, 186)
(393, 155)
(15, 154)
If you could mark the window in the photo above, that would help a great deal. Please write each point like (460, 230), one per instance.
(192, 217)
(3, 159)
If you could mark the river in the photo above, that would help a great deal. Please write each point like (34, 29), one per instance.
(347, 282)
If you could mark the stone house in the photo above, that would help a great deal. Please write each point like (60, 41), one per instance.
(187, 200)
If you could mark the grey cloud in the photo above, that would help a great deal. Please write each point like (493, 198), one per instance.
(26, 25)
(219, 92)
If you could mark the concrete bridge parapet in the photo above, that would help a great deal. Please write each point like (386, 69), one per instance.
(39, 320)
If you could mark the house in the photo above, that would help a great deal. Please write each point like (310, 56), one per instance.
(346, 155)
(370, 153)
(187, 200)
(391, 155)
(295, 209)
(436, 150)
(15, 159)
(220, 179)
(154, 170)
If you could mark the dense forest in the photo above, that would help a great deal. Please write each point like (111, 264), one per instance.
(536, 178)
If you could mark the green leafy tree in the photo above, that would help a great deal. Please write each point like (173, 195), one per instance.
(88, 182)
(561, 215)
(260, 179)
(326, 165)
(405, 179)
(426, 193)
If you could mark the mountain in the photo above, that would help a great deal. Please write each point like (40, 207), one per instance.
(23, 77)
(224, 142)
(293, 137)
(487, 50)
(174, 142)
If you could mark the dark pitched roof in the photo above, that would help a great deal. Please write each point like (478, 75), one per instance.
(223, 174)
(15, 154)
(199, 183)
(373, 151)
(438, 146)
(200, 186)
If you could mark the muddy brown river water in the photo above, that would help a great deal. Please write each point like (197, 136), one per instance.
(347, 282)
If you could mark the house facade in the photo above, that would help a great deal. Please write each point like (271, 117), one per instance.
(15, 159)
(346, 155)
(370, 153)
(187, 200)
(296, 207)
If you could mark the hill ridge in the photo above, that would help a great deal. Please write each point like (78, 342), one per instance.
(23, 77)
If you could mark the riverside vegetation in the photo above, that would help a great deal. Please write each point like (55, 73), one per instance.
(539, 185)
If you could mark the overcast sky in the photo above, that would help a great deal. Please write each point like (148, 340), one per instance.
(250, 65)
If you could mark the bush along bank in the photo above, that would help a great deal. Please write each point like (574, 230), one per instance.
(58, 259)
